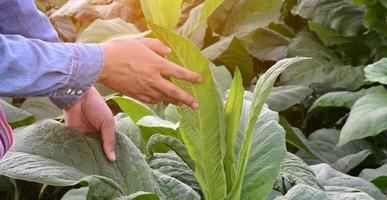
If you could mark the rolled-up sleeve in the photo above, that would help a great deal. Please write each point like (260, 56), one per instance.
(34, 63)
(32, 67)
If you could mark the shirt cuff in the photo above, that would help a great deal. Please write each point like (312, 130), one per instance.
(86, 66)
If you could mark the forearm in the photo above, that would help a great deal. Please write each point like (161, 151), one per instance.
(31, 67)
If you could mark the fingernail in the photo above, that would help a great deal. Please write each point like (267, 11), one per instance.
(199, 79)
(195, 105)
(113, 156)
(169, 50)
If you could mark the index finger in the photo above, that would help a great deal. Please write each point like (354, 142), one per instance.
(178, 72)
(178, 94)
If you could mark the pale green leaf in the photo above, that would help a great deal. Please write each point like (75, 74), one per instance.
(327, 176)
(377, 72)
(171, 165)
(77, 194)
(377, 176)
(349, 162)
(261, 93)
(150, 125)
(284, 97)
(207, 150)
(344, 99)
(325, 68)
(173, 144)
(306, 192)
(133, 108)
(222, 77)
(232, 114)
(367, 118)
(164, 13)
(294, 171)
(267, 150)
(104, 30)
(127, 127)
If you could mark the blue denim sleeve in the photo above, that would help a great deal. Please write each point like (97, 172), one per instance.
(32, 67)
(33, 63)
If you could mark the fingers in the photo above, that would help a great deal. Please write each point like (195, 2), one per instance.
(178, 72)
(177, 94)
(109, 138)
(156, 45)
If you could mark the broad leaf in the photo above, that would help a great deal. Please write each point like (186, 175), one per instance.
(284, 97)
(377, 72)
(268, 45)
(293, 172)
(232, 114)
(325, 68)
(306, 192)
(171, 188)
(267, 150)
(140, 196)
(222, 77)
(133, 108)
(127, 127)
(344, 99)
(377, 176)
(367, 118)
(16, 117)
(173, 144)
(261, 93)
(349, 162)
(103, 30)
(228, 19)
(171, 165)
(150, 125)
(202, 130)
(164, 13)
(339, 15)
(327, 176)
(199, 16)
(68, 158)
(323, 145)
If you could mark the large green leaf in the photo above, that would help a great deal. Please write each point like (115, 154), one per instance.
(268, 143)
(232, 53)
(171, 165)
(164, 13)
(103, 30)
(283, 97)
(327, 176)
(323, 145)
(127, 127)
(240, 17)
(232, 114)
(344, 99)
(306, 192)
(133, 108)
(377, 72)
(261, 93)
(62, 157)
(377, 176)
(293, 172)
(339, 15)
(16, 117)
(199, 16)
(150, 125)
(202, 130)
(367, 118)
(268, 45)
(325, 68)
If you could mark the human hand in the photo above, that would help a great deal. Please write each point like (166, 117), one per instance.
(135, 67)
(90, 115)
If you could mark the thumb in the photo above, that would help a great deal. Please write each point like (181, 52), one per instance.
(156, 45)
(109, 138)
